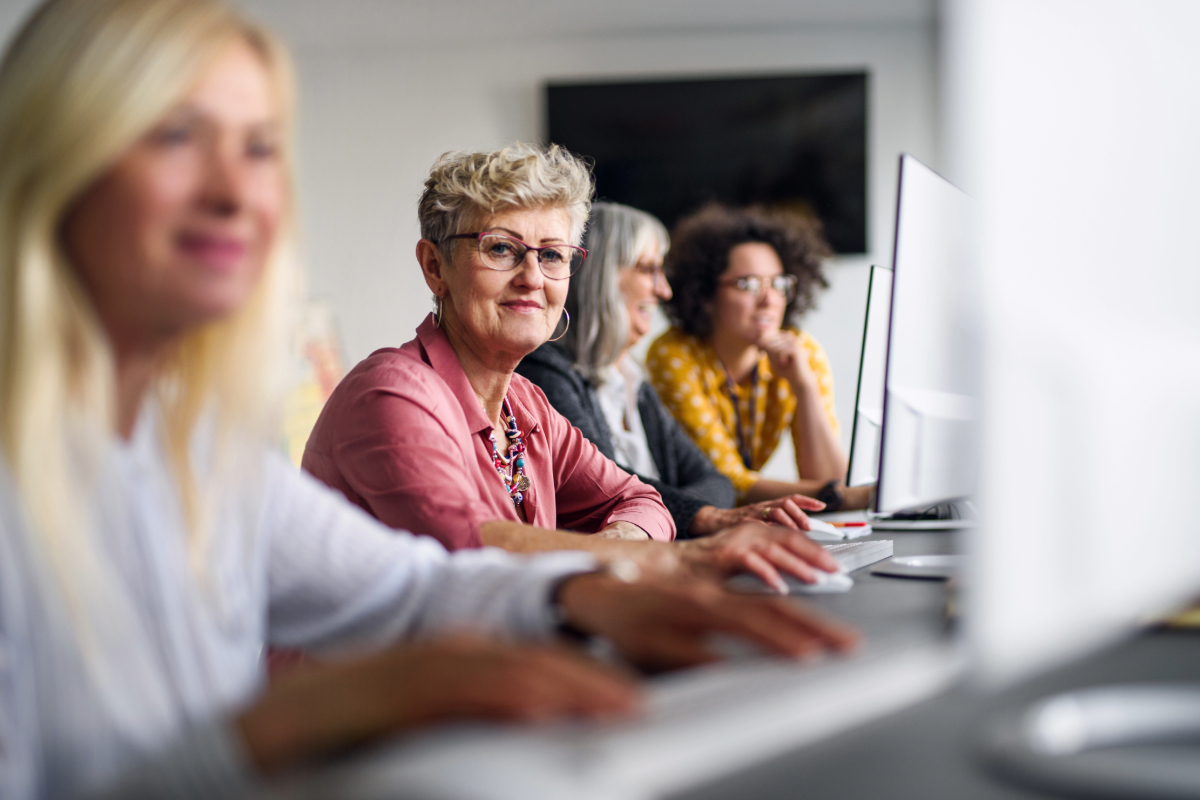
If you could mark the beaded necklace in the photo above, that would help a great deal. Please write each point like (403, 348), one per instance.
(512, 468)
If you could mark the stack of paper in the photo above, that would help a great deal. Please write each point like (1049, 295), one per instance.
(822, 531)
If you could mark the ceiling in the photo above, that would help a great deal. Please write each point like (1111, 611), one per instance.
(338, 23)
(342, 23)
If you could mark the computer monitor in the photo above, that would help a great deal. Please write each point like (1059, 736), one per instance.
(928, 440)
(1076, 132)
(863, 469)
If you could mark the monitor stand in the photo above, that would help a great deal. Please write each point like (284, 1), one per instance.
(1120, 741)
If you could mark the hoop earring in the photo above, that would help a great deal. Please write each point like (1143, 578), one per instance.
(566, 314)
(437, 310)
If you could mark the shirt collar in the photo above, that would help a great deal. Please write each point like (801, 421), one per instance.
(445, 363)
(631, 371)
(526, 420)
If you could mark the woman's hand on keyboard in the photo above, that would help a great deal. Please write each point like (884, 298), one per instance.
(665, 625)
(762, 550)
(322, 708)
(786, 511)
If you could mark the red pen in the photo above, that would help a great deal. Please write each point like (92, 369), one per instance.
(848, 524)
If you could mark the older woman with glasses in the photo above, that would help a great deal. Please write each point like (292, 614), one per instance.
(440, 437)
(592, 379)
(733, 369)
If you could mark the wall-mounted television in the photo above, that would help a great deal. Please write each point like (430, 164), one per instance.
(669, 146)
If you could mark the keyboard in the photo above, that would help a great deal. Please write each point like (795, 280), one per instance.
(856, 555)
(699, 725)
(849, 555)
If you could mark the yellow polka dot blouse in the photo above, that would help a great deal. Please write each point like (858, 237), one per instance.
(691, 381)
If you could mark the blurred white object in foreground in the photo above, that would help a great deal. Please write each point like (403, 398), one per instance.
(1075, 124)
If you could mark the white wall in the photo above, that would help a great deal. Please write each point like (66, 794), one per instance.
(374, 118)
(388, 85)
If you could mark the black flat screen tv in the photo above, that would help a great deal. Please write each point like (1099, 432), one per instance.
(792, 141)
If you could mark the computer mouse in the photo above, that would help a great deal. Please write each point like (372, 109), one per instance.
(826, 583)
(822, 531)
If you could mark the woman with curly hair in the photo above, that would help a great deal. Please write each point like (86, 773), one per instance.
(734, 369)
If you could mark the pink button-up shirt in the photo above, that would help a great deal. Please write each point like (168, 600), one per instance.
(405, 437)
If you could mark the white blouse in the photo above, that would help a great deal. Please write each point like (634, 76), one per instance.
(130, 693)
(618, 397)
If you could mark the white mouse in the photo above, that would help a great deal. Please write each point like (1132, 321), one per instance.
(821, 531)
(826, 583)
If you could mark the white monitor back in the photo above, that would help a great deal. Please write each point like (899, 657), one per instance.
(929, 445)
(868, 406)
(1075, 124)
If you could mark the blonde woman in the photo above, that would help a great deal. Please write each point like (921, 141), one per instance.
(151, 543)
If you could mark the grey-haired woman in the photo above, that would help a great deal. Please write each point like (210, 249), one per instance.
(590, 378)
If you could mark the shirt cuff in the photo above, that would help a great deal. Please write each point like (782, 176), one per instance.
(537, 616)
(657, 523)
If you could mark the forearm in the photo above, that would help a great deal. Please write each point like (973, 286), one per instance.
(520, 538)
(517, 537)
(684, 502)
(768, 489)
(819, 454)
(708, 520)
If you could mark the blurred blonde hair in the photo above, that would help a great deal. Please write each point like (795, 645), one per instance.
(82, 81)
(462, 186)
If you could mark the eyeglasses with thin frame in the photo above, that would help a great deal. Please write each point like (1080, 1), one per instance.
(502, 253)
(784, 285)
(652, 271)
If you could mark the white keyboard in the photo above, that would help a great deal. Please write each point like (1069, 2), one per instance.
(699, 725)
(856, 555)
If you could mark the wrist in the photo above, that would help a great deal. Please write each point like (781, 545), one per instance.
(575, 595)
(267, 740)
(707, 521)
(805, 387)
(564, 625)
(831, 495)
(623, 531)
(695, 554)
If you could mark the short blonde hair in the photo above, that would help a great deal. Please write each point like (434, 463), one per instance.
(81, 82)
(463, 186)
